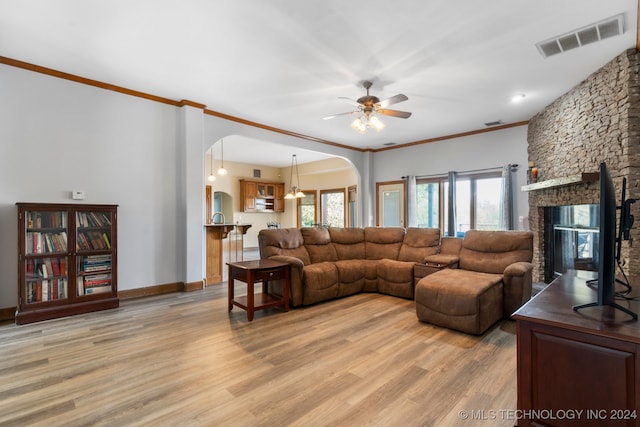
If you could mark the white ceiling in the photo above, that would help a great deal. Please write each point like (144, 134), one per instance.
(284, 63)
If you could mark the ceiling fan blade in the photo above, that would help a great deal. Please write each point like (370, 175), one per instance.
(393, 100)
(394, 113)
(339, 114)
(350, 101)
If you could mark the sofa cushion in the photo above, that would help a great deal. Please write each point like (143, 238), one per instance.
(282, 241)
(493, 251)
(450, 245)
(395, 277)
(321, 282)
(419, 243)
(348, 242)
(351, 276)
(318, 244)
(383, 242)
(464, 300)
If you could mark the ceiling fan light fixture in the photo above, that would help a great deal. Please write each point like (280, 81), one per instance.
(370, 107)
(375, 123)
(359, 124)
(367, 121)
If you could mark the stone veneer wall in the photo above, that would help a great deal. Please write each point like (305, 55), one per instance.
(598, 120)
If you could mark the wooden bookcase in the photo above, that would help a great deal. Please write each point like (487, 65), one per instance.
(259, 196)
(67, 260)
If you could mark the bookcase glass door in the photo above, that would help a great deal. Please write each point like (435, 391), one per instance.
(94, 254)
(46, 256)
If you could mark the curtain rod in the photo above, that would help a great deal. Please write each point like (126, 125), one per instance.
(493, 169)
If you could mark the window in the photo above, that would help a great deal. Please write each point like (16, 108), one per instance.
(332, 207)
(307, 214)
(487, 203)
(478, 202)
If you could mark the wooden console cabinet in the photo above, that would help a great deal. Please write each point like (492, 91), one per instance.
(577, 368)
(67, 260)
(260, 196)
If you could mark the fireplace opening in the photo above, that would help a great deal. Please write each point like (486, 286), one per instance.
(572, 235)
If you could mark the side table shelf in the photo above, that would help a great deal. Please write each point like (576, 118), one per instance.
(252, 272)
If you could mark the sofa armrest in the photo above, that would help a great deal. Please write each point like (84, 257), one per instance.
(517, 280)
(295, 288)
(296, 263)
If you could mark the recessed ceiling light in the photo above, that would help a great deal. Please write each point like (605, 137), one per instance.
(518, 98)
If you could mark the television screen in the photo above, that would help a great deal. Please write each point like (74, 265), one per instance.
(607, 245)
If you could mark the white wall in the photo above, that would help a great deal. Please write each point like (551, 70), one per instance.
(479, 151)
(57, 136)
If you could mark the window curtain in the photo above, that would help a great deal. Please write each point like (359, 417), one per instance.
(451, 208)
(506, 199)
(412, 201)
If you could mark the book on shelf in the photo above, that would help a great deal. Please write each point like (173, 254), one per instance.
(93, 219)
(41, 219)
(93, 240)
(45, 242)
(46, 290)
(98, 289)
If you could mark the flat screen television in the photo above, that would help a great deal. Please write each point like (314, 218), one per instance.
(610, 236)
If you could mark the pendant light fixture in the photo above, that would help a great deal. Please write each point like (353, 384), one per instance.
(222, 170)
(212, 177)
(294, 192)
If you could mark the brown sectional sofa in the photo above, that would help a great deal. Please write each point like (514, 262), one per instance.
(493, 280)
(470, 283)
(335, 262)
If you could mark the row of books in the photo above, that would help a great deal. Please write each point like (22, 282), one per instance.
(93, 240)
(92, 263)
(93, 219)
(46, 219)
(47, 267)
(47, 242)
(46, 290)
(93, 284)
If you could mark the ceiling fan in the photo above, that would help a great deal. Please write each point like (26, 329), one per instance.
(369, 106)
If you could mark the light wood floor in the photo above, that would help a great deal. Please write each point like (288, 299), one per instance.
(183, 360)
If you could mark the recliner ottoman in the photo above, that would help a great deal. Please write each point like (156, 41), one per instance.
(458, 299)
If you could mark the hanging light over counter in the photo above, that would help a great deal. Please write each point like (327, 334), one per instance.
(222, 170)
(294, 192)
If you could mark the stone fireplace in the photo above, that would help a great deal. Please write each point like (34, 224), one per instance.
(597, 121)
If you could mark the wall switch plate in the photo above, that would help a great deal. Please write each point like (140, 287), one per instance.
(77, 195)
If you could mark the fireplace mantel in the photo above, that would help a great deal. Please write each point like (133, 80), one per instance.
(563, 181)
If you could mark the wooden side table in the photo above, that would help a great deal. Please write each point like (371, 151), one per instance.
(251, 272)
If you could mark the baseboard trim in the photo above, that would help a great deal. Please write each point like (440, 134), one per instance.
(166, 288)
(8, 313)
(194, 286)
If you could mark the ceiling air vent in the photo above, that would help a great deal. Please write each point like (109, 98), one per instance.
(583, 36)
(496, 123)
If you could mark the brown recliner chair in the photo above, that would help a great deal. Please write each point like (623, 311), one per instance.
(494, 280)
